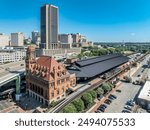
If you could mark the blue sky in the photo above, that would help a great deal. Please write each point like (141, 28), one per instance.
(98, 20)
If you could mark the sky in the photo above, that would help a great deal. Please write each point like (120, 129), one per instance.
(98, 20)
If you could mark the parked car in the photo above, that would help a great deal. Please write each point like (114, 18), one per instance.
(148, 110)
(102, 109)
(110, 97)
(125, 111)
(114, 96)
(130, 102)
(98, 111)
(128, 107)
(108, 101)
(139, 75)
(103, 106)
(118, 90)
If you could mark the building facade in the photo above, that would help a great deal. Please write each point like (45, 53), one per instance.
(36, 37)
(65, 38)
(47, 80)
(4, 40)
(12, 56)
(49, 27)
(76, 37)
(52, 52)
(144, 97)
(17, 39)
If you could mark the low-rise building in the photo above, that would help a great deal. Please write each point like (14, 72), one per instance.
(65, 45)
(87, 44)
(65, 38)
(53, 52)
(96, 66)
(47, 80)
(144, 96)
(6, 57)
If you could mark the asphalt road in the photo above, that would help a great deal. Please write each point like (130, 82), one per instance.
(13, 67)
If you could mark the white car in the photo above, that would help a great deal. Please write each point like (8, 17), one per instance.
(128, 107)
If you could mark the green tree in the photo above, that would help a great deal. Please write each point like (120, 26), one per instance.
(106, 87)
(100, 91)
(53, 104)
(69, 109)
(93, 94)
(79, 105)
(87, 99)
(111, 85)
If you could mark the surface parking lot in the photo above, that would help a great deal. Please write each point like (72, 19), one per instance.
(128, 91)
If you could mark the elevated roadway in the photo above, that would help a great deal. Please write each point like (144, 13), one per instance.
(12, 72)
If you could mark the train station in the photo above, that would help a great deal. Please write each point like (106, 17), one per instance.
(93, 67)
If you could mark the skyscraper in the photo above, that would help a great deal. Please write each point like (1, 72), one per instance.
(49, 27)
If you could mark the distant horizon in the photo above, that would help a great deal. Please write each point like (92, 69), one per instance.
(104, 21)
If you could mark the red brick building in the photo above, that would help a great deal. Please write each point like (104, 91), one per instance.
(47, 80)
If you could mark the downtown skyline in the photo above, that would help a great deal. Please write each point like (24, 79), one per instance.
(98, 20)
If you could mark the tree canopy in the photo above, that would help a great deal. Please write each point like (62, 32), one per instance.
(87, 99)
(70, 109)
(79, 104)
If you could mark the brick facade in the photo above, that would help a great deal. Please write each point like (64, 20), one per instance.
(47, 80)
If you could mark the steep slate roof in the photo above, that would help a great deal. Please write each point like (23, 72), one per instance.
(96, 66)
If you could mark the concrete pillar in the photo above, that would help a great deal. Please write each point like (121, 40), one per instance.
(18, 85)
(18, 95)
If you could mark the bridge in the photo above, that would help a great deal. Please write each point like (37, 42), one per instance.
(12, 72)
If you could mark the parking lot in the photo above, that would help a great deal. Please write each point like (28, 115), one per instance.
(128, 91)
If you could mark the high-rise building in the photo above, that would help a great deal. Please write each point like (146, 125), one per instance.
(35, 37)
(49, 27)
(17, 39)
(4, 40)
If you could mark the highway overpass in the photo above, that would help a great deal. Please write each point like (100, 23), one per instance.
(12, 72)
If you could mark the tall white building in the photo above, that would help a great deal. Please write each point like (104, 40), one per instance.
(17, 39)
(4, 40)
(49, 27)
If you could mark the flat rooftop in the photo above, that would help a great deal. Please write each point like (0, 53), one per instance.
(98, 65)
(145, 92)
